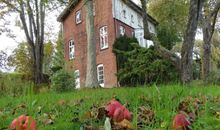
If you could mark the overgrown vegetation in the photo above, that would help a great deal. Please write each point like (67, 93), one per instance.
(13, 84)
(139, 66)
(62, 81)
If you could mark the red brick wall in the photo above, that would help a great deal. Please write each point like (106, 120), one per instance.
(128, 30)
(103, 17)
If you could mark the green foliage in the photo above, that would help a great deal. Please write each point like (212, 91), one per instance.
(62, 81)
(172, 17)
(167, 37)
(13, 84)
(58, 61)
(48, 52)
(214, 77)
(3, 59)
(122, 44)
(21, 59)
(141, 65)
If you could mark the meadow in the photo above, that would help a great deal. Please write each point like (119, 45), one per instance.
(78, 109)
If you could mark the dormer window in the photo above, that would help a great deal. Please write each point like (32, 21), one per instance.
(124, 13)
(132, 18)
(71, 49)
(78, 17)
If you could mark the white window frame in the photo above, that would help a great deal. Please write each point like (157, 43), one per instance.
(101, 78)
(77, 79)
(78, 17)
(103, 37)
(71, 49)
(122, 30)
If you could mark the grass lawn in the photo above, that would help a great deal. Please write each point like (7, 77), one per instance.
(68, 111)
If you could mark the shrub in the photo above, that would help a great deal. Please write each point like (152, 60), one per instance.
(62, 81)
(141, 65)
(214, 77)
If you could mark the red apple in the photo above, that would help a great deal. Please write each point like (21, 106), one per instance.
(127, 114)
(180, 122)
(23, 123)
(118, 115)
(111, 107)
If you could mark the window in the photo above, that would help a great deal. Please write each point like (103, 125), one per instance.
(124, 13)
(100, 74)
(139, 21)
(122, 30)
(133, 34)
(78, 17)
(103, 37)
(132, 18)
(77, 79)
(71, 49)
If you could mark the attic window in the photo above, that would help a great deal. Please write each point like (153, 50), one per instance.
(78, 17)
(124, 13)
(132, 18)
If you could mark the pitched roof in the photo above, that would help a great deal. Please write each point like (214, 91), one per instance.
(73, 3)
(67, 10)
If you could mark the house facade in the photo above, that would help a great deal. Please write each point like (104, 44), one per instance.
(113, 18)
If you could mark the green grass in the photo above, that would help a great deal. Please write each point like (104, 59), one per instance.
(165, 100)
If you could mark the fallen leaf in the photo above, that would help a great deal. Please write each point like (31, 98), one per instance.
(48, 122)
(125, 124)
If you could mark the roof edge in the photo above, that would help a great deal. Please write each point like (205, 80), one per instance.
(67, 11)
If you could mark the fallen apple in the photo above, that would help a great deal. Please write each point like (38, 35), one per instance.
(180, 122)
(23, 123)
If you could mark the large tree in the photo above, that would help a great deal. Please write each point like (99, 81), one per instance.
(183, 64)
(209, 18)
(91, 71)
(32, 17)
(172, 17)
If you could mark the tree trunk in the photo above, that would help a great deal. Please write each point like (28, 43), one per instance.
(188, 43)
(208, 27)
(184, 65)
(91, 70)
(38, 74)
(206, 66)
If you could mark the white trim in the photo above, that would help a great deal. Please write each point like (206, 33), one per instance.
(77, 79)
(71, 49)
(101, 78)
(78, 18)
(103, 37)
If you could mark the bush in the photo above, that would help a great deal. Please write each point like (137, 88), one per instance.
(214, 77)
(141, 65)
(62, 81)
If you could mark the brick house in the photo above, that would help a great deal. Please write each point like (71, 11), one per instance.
(112, 19)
